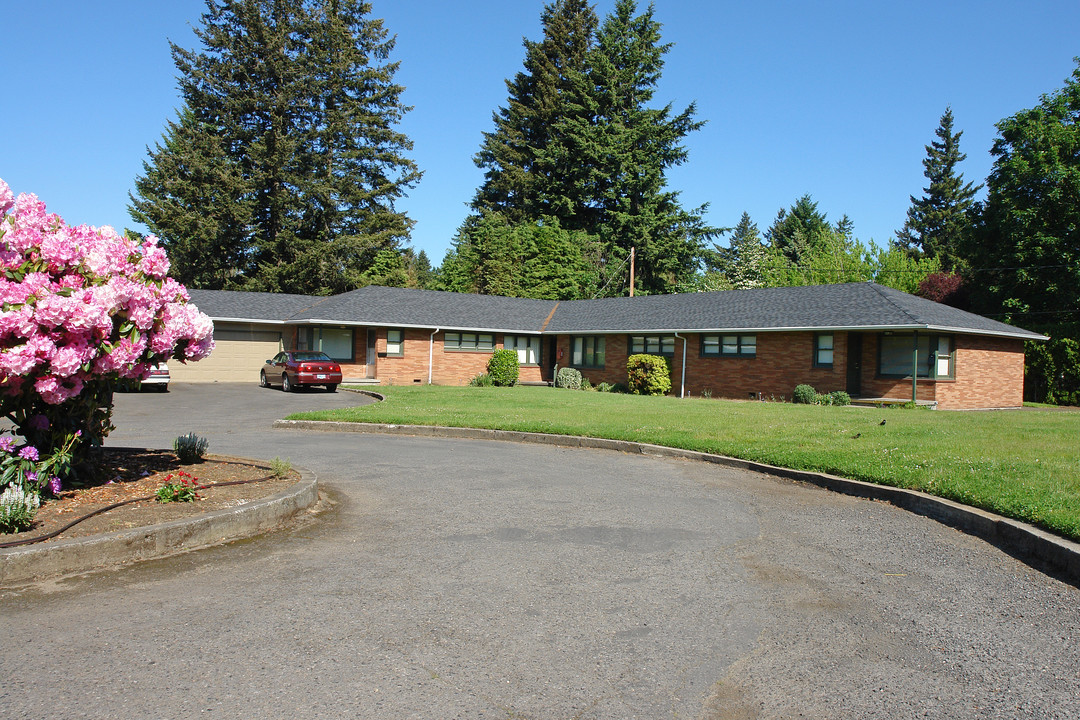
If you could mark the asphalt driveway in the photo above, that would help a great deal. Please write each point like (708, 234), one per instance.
(473, 579)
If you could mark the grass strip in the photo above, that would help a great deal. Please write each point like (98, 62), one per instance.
(1022, 464)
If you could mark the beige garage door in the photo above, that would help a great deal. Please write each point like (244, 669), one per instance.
(238, 355)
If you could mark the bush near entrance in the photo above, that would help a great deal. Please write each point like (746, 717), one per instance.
(503, 367)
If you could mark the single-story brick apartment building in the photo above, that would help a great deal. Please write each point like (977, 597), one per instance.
(863, 338)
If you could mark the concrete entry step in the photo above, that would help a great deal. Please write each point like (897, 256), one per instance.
(882, 402)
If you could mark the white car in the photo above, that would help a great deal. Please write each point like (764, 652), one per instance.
(159, 378)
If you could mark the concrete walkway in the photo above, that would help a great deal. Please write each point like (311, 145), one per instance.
(469, 578)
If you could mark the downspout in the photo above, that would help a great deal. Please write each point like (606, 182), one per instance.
(914, 366)
(431, 354)
(682, 383)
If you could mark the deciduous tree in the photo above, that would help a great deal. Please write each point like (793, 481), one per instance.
(1026, 255)
(492, 256)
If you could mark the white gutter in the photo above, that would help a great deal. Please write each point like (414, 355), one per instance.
(431, 354)
(682, 385)
(1022, 335)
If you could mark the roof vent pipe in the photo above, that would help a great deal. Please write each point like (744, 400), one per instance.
(431, 353)
(682, 382)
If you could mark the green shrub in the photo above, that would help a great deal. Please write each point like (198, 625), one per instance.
(804, 395)
(568, 378)
(190, 448)
(605, 387)
(280, 467)
(503, 367)
(648, 375)
(839, 397)
(585, 384)
(481, 380)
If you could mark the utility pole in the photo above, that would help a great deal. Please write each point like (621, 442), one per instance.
(632, 253)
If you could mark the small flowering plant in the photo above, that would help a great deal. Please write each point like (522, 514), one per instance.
(25, 468)
(179, 487)
(17, 509)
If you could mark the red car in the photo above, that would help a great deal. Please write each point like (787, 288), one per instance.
(297, 369)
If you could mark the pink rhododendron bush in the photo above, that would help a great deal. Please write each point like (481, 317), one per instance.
(82, 308)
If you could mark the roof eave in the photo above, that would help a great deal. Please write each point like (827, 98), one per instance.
(1019, 335)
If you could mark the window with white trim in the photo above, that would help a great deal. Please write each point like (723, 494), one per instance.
(395, 343)
(587, 351)
(527, 347)
(823, 350)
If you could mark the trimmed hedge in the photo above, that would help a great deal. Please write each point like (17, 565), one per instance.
(503, 367)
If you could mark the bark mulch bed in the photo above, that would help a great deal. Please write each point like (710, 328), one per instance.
(132, 474)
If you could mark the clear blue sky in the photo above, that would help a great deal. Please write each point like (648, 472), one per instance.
(835, 99)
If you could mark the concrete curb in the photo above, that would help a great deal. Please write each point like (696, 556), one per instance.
(64, 557)
(1041, 549)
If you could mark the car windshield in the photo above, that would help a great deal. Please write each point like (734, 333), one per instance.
(309, 356)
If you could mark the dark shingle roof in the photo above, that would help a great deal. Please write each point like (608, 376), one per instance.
(851, 305)
(865, 306)
(403, 307)
(251, 306)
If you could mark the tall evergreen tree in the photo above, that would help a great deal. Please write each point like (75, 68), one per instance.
(419, 271)
(194, 198)
(301, 99)
(938, 222)
(580, 144)
(513, 180)
(613, 149)
(797, 230)
(746, 255)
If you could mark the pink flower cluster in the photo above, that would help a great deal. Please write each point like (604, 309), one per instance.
(81, 302)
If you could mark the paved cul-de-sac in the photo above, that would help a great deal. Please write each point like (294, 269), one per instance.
(481, 579)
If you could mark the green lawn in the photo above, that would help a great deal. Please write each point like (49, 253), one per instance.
(1023, 464)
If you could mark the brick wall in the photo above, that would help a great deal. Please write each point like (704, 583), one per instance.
(989, 371)
(783, 360)
(449, 367)
(989, 374)
(874, 386)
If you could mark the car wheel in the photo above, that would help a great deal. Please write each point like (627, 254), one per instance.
(332, 387)
(286, 383)
(263, 382)
(163, 388)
